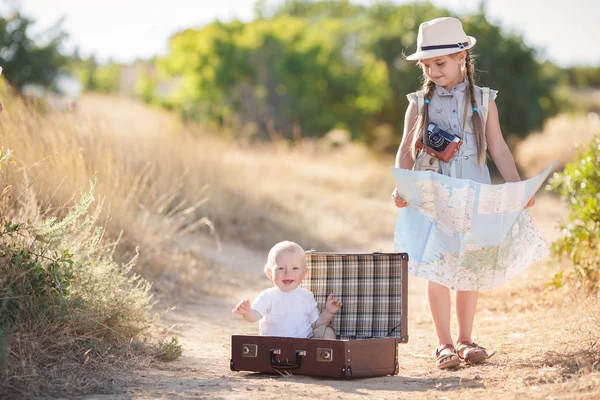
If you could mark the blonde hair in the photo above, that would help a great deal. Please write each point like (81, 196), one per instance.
(281, 247)
(423, 117)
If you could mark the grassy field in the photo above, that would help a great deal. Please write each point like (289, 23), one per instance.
(196, 204)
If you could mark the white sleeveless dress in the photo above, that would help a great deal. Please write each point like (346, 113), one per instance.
(455, 265)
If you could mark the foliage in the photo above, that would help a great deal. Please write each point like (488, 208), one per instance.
(107, 78)
(526, 88)
(279, 76)
(584, 77)
(308, 9)
(98, 77)
(579, 185)
(169, 350)
(306, 67)
(60, 290)
(84, 69)
(26, 60)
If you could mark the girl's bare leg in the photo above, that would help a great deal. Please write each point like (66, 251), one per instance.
(466, 303)
(439, 305)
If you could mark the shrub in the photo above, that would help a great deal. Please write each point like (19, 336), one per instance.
(579, 185)
(169, 350)
(62, 297)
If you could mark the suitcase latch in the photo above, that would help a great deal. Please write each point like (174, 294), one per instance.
(249, 350)
(324, 355)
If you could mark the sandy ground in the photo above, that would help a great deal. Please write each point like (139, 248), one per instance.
(537, 336)
(512, 321)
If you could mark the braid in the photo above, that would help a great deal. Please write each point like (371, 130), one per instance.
(423, 118)
(476, 118)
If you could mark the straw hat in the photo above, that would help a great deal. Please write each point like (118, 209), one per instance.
(439, 37)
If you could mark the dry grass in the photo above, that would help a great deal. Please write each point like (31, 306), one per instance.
(545, 343)
(68, 313)
(56, 362)
(157, 187)
(72, 344)
(561, 135)
(163, 181)
(559, 140)
(154, 178)
(258, 194)
(587, 99)
(147, 190)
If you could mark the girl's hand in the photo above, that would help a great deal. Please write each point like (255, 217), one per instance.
(333, 304)
(242, 308)
(530, 203)
(398, 201)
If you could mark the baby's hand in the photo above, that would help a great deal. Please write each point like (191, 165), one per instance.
(243, 307)
(333, 304)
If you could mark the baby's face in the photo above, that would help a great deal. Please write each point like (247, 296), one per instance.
(289, 270)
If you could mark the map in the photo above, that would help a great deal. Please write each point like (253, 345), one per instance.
(463, 234)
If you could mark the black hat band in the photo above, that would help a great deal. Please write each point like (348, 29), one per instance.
(446, 46)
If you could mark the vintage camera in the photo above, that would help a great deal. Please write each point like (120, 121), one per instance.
(439, 143)
(438, 139)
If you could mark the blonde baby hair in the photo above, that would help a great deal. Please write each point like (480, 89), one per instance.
(282, 247)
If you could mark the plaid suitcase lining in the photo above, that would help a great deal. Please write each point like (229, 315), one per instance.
(369, 287)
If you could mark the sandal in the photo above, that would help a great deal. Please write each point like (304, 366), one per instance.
(446, 357)
(465, 349)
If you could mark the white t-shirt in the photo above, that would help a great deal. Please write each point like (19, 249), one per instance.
(289, 314)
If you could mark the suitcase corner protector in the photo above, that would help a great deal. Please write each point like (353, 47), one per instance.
(404, 339)
(232, 365)
(346, 371)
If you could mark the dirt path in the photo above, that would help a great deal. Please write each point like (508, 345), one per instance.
(204, 325)
(537, 338)
(509, 322)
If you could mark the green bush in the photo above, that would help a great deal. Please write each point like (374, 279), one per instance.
(63, 296)
(306, 67)
(25, 59)
(169, 350)
(579, 185)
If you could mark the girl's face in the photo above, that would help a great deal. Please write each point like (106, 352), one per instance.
(444, 70)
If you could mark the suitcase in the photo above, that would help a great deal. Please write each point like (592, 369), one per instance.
(373, 289)
(315, 357)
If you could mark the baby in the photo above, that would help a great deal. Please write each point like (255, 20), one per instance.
(286, 309)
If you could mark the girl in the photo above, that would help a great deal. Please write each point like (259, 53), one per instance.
(450, 99)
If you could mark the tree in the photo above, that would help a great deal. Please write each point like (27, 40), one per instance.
(317, 9)
(584, 76)
(311, 66)
(282, 76)
(25, 60)
(526, 89)
(84, 69)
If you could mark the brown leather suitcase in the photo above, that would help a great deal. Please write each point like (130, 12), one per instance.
(316, 357)
(373, 289)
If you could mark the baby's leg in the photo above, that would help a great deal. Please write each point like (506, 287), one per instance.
(323, 332)
(329, 332)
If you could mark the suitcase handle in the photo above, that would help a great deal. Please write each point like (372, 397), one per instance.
(275, 363)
